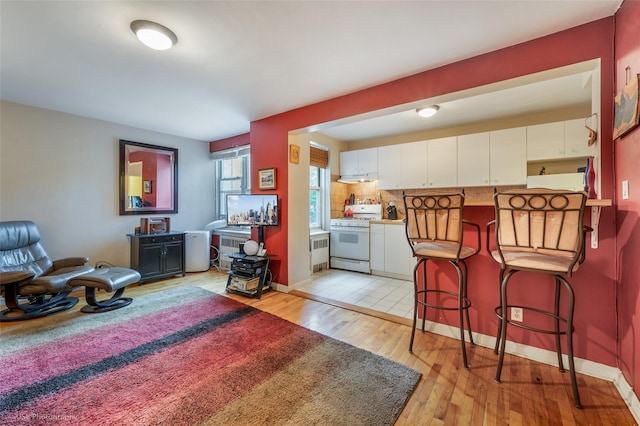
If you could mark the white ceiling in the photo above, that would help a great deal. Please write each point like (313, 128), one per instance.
(238, 61)
(569, 86)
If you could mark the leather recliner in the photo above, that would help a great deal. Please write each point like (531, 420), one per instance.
(33, 284)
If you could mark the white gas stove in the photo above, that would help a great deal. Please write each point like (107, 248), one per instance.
(349, 246)
(358, 215)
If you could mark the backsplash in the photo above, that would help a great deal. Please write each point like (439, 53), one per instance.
(369, 190)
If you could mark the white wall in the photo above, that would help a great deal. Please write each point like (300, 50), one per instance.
(61, 171)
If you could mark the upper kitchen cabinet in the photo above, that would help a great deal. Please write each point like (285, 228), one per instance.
(508, 156)
(576, 140)
(360, 163)
(559, 140)
(389, 167)
(493, 158)
(473, 159)
(422, 164)
(545, 141)
(442, 162)
(414, 165)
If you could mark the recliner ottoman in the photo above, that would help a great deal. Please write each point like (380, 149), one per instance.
(109, 279)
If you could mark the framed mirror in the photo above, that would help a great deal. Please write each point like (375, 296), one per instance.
(148, 179)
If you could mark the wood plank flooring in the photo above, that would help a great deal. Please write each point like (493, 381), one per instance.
(530, 393)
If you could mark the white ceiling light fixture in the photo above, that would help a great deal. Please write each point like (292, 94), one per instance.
(154, 35)
(429, 111)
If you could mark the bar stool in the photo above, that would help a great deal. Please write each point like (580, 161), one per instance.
(539, 230)
(434, 227)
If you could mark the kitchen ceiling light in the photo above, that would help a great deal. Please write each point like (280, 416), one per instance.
(429, 111)
(154, 35)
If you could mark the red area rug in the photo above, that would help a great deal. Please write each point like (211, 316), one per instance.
(210, 360)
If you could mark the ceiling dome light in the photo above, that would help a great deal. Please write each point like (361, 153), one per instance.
(429, 111)
(154, 35)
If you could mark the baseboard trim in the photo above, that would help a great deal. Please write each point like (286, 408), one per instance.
(628, 395)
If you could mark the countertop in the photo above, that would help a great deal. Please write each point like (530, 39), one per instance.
(388, 221)
(489, 203)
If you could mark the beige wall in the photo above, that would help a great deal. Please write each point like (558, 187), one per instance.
(298, 208)
(61, 171)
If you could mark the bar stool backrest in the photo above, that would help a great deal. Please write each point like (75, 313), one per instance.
(434, 218)
(540, 220)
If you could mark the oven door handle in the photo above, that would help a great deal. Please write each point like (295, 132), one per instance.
(350, 229)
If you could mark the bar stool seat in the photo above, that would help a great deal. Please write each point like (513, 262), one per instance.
(434, 228)
(539, 230)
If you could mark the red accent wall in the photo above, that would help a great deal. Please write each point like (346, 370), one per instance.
(627, 159)
(594, 284)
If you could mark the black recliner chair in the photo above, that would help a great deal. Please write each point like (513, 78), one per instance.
(32, 284)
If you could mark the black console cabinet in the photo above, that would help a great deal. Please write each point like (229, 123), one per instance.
(248, 275)
(158, 256)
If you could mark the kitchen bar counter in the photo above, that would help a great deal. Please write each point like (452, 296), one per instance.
(489, 203)
(593, 203)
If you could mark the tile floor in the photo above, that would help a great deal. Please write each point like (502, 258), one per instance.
(382, 294)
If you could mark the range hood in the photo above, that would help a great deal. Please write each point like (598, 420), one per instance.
(369, 177)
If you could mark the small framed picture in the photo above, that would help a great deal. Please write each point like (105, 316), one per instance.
(147, 186)
(294, 154)
(267, 178)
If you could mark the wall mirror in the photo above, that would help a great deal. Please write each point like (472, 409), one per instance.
(148, 179)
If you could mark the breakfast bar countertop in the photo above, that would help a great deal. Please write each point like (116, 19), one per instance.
(489, 203)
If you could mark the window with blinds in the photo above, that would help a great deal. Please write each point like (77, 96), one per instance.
(233, 176)
(318, 157)
(318, 162)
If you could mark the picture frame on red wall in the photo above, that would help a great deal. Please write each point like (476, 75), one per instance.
(627, 114)
(267, 178)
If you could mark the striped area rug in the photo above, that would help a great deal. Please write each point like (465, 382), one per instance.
(190, 357)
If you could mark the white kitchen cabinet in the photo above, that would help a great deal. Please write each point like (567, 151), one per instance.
(349, 163)
(442, 162)
(398, 259)
(376, 247)
(473, 159)
(360, 162)
(559, 140)
(545, 141)
(389, 167)
(576, 138)
(508, 156)
(390, 254)
(414, 165)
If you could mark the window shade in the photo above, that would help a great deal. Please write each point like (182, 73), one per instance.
(318, 157)
(229, 153)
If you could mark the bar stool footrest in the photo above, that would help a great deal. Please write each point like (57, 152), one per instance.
(466, 303)
(519, 324)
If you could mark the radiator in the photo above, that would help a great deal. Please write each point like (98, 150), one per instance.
(229, 245)
(319, 253)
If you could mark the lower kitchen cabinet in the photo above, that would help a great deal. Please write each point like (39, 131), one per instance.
(390, 254)
(158, 256)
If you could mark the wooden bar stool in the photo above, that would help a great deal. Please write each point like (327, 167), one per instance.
(434, 226)
(539, 230)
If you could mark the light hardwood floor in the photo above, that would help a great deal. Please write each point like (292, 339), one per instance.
(530, 393)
